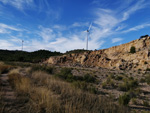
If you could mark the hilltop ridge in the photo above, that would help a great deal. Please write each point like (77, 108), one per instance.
(117, 57)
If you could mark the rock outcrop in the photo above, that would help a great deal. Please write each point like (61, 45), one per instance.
(117, 57)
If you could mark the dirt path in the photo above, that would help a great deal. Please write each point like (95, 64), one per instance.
(8, 96)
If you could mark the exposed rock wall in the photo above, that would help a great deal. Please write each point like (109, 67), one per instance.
(117, 57)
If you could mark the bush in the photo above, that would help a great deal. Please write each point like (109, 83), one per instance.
(134, 101)
(66, 74)
(147, 78)
(144, 36)
(148, 69)
(47, 69)
(128, 85)
(108, 83)
(146, 103)
(142, 80)
(124, 99)
(85, 86)
(132, 49)
(118, 77)
(145, 62)
(88, 78)
(81, 84)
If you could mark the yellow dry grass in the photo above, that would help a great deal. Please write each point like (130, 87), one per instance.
(4, 68)
(14, 71)
(47, 94)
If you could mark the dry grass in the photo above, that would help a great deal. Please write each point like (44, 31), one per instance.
(14, 71)
(2, 105)
(74, 100)
(42, 100)
(47, 94)
(4, 68)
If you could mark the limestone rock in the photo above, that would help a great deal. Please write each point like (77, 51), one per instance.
(117, 57)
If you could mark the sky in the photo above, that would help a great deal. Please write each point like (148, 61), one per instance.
(60, 25)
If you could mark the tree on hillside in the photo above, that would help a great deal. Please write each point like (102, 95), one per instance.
(144, 36)
(132, 49)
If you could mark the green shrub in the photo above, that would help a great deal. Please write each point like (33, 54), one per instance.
(134, 101)
(146, 103)
(132, 49)
(123, 87)
(145, 62)
(89, 78)
(142, 80)
(147, 78)
(66, 74)
(118, 77)
(93, 90)
(148, 69)
(47, 69)
(143, 36)
(104, 84)
(124, 99)
(108, 83)
(80, 84)
(128, 85)
(85, 86)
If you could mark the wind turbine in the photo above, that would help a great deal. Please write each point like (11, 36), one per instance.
(88, 32)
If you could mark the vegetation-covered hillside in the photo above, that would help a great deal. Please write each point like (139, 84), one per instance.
(23, 56)
(76, 51)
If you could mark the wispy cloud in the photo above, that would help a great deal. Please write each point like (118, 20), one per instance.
(4, 28)
(80, 24)
(109, 22)
(47, 34)
(6, 44)
(136, 28)
(114, 40)
(106, 23)
(60, 27)
(19, 4)
(135, 7)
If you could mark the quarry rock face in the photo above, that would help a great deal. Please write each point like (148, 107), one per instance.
(117, 57)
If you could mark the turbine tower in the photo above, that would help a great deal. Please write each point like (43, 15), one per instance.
(88, 31)
(22, 45)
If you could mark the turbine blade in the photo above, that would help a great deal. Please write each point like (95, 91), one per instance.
(90, 26)
(85, 31)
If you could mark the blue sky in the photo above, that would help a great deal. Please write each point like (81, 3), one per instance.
(59, 25)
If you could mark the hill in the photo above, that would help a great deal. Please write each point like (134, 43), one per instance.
(23, 56)
(132, 55)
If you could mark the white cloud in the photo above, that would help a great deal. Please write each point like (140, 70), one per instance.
(109, 22)
(136, 28)
(114, 40)
(15, 39)
(7, 28)
(106, 23)
(106, 19)
(133, 8)
(59, 27)
(119, 28)
(19, 4)
(46, 33)
(6, 44)
(80, 24)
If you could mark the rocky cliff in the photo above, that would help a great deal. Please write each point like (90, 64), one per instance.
(117, 57)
